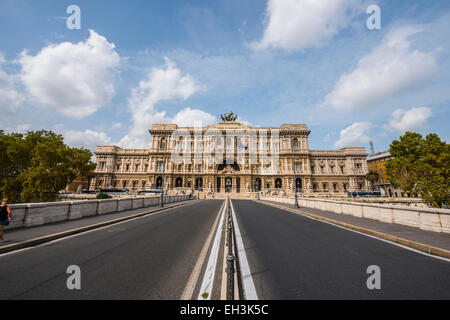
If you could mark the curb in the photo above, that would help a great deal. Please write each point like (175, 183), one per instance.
(409, 243)
(56, 236)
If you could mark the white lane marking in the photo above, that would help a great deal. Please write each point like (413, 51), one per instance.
(246, 275)
(208, 279)
(86, 232)
(195, 274)
(367, 235)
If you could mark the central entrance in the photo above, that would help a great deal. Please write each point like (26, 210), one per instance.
(228, 185)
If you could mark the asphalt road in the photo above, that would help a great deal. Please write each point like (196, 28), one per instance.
(293, 257)
(147, 258)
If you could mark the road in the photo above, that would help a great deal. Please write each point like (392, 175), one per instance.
(148, 258)
(290, 257)
(294, 257)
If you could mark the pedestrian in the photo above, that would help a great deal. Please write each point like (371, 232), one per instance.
(5, 216)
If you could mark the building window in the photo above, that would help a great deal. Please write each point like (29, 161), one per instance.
(146, 168)
(135, 184)
(118, 167)
(332, 169)
(278, 184)
(159, 166)
(295, 144)
(199, 168)
(322, 169)
(124, 183)
(189, 167)
(180, 167)
(335, 187)
(163, 143)
(137, 168)
(298, 166)
(313, 168)
(345, 187)
(127, 167)
(102, 165)
(314, 187)
(342, 169)
(144, 184)
(276, 145)
(324, 186)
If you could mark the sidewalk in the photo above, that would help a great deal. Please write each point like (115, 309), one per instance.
(428, 241)
(24, 237)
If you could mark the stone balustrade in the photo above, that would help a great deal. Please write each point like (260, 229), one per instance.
(35, 214)
(430, 219)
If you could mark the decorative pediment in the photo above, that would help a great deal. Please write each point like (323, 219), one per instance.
(228, 170)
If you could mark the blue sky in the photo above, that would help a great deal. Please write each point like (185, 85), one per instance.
(134, 63)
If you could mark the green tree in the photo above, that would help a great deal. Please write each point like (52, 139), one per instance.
(373, 177)
(421, 167)
(102, 196)
(35, 166)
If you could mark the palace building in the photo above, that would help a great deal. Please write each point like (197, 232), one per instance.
(230, 157)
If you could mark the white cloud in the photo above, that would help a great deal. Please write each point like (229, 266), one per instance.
(20, 128)
(116, 125)
(188, 117)
(409, 120)
(10, 98)
(354, 135)
(87, 139)
(162, 84)
(74, 79)
(388, 71)
(299, 24)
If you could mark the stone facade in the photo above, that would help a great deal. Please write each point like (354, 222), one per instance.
(377, 162)
(254, 159)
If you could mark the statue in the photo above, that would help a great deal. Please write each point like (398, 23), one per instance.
(229, 117)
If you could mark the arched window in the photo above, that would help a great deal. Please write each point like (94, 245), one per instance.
(298, 184)
(163, 143)
(159, 183)
(257, 185)
(199, 184)
(278, 184)
(179, 182)
(295, 144)
(181, 144)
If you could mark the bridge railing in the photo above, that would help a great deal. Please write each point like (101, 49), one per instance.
(35, 214)
(430, 219)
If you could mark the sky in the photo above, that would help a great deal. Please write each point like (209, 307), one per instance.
(135, 63)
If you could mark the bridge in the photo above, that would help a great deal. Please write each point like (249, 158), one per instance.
(221, 249)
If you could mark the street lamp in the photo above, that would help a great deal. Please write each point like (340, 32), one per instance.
(295, 177)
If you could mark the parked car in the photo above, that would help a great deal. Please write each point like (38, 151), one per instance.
(151, 192)
(115, 192)
(89, 192)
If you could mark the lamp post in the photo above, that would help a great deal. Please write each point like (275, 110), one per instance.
(295, 177)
